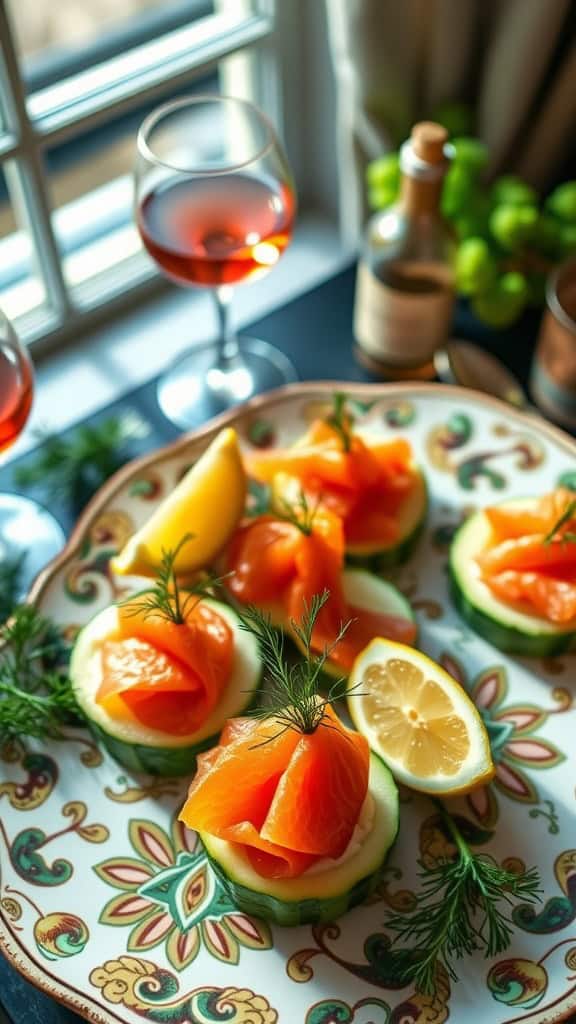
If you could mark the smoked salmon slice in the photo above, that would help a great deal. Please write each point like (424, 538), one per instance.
(167, 675)
(531, 562)
(139, 681)
(554, 599)
(300, 795)
(529, 553)
(513, 521)
(364, 485)
(329, 766)
(308, 564)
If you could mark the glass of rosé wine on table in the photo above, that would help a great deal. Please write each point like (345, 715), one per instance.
(215, 206)
(29, 534)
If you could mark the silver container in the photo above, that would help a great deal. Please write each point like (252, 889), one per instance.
(553, 376)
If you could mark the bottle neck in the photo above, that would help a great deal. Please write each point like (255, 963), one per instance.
(420, 198)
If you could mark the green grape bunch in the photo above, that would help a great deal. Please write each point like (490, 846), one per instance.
(508, 237)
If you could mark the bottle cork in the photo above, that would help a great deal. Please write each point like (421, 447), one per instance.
(428, 140)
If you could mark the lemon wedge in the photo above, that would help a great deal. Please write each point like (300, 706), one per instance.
(208, 503)
(419, 720)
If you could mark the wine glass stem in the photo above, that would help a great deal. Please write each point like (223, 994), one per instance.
(227, 343)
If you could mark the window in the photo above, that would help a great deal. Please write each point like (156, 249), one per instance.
(76, 79)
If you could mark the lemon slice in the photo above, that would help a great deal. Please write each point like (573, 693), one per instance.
(419, 720)
(208, 503)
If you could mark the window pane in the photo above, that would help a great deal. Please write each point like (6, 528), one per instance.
(21, 288)
(5, 123)
(90, 187)
(60, 37)
(91, 194)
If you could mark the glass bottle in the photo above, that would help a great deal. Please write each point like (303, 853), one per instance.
(405, 282)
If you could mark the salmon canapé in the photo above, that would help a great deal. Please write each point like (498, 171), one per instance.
(531, 560)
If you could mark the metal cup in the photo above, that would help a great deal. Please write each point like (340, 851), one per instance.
(553, 376)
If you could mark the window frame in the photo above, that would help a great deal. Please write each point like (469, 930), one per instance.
(139, 28)
(266, 38)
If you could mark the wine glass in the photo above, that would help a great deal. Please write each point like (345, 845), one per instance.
(215, 206)
(29, 534)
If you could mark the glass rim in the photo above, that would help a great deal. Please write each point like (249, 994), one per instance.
(152, 119)
(553, 300)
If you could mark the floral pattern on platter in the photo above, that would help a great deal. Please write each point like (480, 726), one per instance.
(399, 414)
(24, 849)
(514, 746)
(157, 940)
(147, 487)
(153, 993)
(260, 433)
(41, 775)
(91, 574)
(519, 982)
(557, 912)
(377, 969)
(131, 793)
(377, 966)
(169, 895)
(457, 432)
(57, 934)
(330, 1010)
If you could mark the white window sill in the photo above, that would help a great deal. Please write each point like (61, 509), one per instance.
(75, 383)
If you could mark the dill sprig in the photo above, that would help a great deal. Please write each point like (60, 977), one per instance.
(10, 584)
(301, 512)
(459, 910)
(71, 468)
(36, 697)
(568, 514)
(341, 420)
(167, 597)
(293, 697)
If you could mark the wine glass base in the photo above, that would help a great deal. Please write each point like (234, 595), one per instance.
(194, 389)
(29, 534)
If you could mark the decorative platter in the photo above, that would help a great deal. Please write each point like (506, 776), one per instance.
(106, 901)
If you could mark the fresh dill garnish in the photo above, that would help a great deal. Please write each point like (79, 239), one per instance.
(10, 584)
(568, 514)
(301, 513)
(340, 420)
(167, 597)
(72, 468)
(458, 911)
(36, 698)
(293, 697)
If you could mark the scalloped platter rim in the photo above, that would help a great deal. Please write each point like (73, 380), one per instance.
(106, 901)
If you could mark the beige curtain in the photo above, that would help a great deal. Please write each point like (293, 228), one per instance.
(513, 60)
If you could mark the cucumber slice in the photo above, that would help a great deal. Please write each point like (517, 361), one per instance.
(319, 895)
(362, 590)
(506, 627)
(372, 556)
(138, 747)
